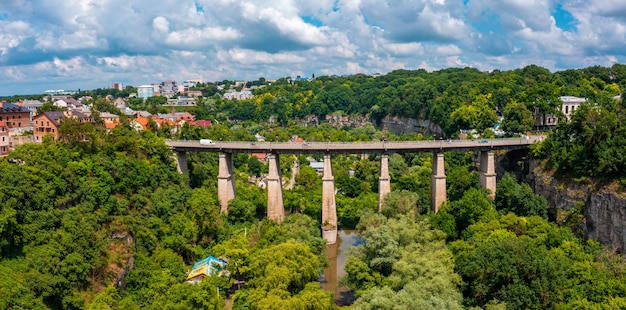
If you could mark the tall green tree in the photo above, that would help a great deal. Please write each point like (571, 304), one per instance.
(517, 118)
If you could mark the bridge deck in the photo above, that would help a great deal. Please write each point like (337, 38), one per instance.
(352, 147)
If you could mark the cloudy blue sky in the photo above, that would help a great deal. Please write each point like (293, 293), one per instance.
(70, 44)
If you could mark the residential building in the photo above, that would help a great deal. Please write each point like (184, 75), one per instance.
(110, 120)
(569, 104)
(181, 101)
(183, 89)
(241, 95)
(209, 266)
(168, 88)
(193, 83)
(117, 85)
(4, 139)
(60, 92)
(145, 91)
(157, 89)
(69, 103)
(120, 103)
(32, 105)
(16, 118)
(48, 123)
(194, 93)
(262, 157)
(140, 122)
(185, 116)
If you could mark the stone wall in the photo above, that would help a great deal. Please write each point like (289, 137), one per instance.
(603, 205)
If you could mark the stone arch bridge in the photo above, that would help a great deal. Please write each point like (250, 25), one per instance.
(275, 208)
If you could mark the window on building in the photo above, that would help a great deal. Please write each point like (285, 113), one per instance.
(566, 109)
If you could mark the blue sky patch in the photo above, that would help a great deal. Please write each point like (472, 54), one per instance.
(312, 20)
(489, 24)
(564, 19)
(199, 8)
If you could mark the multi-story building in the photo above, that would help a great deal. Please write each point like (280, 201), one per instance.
(193, 83)
(183, 89)
(48, 123)
(241, 95)
(117, 85)
(4, 139)
(168, 88)
(110, 120)
(194, 93)
(16, 118)
(32, 105)
(569, 104)
(145, 91)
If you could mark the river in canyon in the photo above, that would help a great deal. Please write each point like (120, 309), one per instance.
(337, 255)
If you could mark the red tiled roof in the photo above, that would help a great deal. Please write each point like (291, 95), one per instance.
(203, 123)
(143, 121)
(259, 156)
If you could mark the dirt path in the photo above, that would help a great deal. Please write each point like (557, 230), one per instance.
(228, 305)
(294, 172)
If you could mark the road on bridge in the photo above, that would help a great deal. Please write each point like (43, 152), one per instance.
(353, 147)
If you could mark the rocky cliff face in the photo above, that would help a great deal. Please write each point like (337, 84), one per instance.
(340, 121)
(403, 125)
(603, 216)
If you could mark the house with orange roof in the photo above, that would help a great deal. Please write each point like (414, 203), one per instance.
(262, 157)
(110, 120)
(185, 116)
(142, 121)
(48, 123)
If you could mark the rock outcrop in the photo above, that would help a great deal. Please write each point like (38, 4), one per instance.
(404, 125)
(340, 121)
(603, 206)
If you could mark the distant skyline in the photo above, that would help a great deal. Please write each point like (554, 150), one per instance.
(87, 44)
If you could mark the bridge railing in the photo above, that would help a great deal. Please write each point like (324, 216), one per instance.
(339, 146)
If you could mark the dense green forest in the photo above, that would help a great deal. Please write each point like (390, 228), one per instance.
(110, 224)
(453, 98)
(102, 220)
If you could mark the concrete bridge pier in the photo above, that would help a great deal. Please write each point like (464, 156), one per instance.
(487, 176)
(225, 181)
(438, 182)
(181, 161)
(384, 181)
(275, 206)
(329, 207)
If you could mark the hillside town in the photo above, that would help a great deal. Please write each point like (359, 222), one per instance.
(22, 122)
